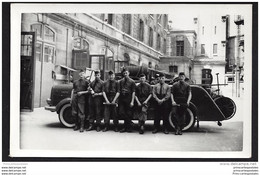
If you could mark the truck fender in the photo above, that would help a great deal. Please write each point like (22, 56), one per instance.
(194, 109)
(61, 103)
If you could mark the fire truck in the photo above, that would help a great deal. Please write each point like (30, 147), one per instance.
(206, 104)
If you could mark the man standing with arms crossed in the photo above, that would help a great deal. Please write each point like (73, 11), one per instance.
(126, 99)
(161, 94)
(180, 96)
(110, 94)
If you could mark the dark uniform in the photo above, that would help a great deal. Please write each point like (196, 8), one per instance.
(143, 90)
(96, 103)
(126, 88)
(78, 102)
(180, 91)
(161, 91)
(110, 87)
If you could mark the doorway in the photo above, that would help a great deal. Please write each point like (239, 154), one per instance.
(27, 70)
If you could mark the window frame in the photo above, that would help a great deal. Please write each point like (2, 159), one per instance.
(204, 48)
(150, 43)
(215, 51)
(141, 30)
(158, 42)
(54, 53)
(179, 48)
(42, 40)
(173, 69)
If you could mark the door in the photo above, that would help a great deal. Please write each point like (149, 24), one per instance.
(97, 62)
(206, 76)
(27, 70)
(80, 61)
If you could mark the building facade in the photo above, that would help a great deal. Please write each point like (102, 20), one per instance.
(203, 49)
(55, 44)
(180, 52)
(210, 56)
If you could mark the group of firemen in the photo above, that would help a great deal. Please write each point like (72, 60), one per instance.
(111, 98)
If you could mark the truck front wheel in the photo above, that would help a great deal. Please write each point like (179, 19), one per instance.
(189, 123)
(65, 116)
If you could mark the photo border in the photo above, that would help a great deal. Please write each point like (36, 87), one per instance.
(6, 94)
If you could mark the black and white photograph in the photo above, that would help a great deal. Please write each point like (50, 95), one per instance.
(131, 80)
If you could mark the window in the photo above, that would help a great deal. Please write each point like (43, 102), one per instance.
(141, 30)
(48, 54)
(49, 34)
(120, 64)
(80, 44)
(45, 45)
(202, 49)
(127, 24)
(110, 19)
(179, 48)
(164, 46)
(203, 30)
(38, 51)
(215, 49)
(165, 21)
(215, 30)
(38, 29)
(173, 69)
(80, 53)
(27, 45)
(150, 37)
(158, 42)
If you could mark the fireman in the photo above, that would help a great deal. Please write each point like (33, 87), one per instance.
(110, 94)
(180, 96)
(96, 103)
(126, 99)
(161, 94)
(80, 87)
(143, 95)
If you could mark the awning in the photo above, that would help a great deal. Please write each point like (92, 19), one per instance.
(68, 68)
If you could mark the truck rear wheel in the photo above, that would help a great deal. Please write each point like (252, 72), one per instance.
(65, 116)
(190, 120)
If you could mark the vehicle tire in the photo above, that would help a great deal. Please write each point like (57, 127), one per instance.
(227, 106)
(190, 120)
(65, 116)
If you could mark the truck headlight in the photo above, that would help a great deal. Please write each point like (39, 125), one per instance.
(49, 101)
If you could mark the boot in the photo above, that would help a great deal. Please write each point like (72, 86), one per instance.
(106, 128)
(129, 128)
(98, 128)
(90, 127)
(141, 130)
(116, 129)
(123, 130)
(81, 126)
(177, 131)
(155, 131)
(166, 131)
(76, 127)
